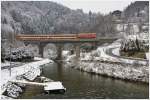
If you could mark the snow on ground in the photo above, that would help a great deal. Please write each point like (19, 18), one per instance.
(128, 70)
(65, 52)
(37, 58)
(116, 51)
(120, 59)
(103, 56)
(5, 73)
(147, 55)
(5, 97)
(5, 64)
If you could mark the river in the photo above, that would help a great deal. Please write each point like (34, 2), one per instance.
(85, 85)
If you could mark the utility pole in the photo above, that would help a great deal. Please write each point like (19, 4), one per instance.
(90, 20)
(12, 41)
(10, 62)
(123, 27)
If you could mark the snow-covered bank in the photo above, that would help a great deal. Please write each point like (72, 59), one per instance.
(147, 55)
(100, 62)
(30, 71)
(116, 70)
(21, 69)
(116, 51)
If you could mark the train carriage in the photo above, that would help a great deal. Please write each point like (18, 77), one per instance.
(57, 37)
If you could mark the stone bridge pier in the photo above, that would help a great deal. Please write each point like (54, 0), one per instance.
(41, 48)
(59, 48)
(77, 50)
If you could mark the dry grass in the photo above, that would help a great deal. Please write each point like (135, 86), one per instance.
(134, 54)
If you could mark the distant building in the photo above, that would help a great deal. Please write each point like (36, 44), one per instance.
(117, 14)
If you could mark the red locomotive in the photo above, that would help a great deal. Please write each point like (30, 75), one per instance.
(86, 35)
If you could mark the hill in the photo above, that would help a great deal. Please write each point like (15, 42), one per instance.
(45, 17)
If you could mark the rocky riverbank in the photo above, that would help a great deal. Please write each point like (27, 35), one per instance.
(116, 70)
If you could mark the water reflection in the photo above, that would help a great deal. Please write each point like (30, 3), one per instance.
(84, 85)
(60, 71)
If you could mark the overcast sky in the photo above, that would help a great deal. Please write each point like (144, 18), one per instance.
(103, 6)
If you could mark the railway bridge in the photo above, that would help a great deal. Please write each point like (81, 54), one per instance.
(60, 39)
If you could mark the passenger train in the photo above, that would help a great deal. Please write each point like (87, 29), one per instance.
(57, 36)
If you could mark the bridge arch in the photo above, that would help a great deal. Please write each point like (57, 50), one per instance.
(50, 51)
(35, 49)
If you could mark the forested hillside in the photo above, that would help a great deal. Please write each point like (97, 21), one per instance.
(137, 8)
(137, 13)
(45, 17)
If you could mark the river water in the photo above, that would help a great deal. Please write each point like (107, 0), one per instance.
(85, 85)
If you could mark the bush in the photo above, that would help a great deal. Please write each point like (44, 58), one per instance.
(133, 45)
(19, 54)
